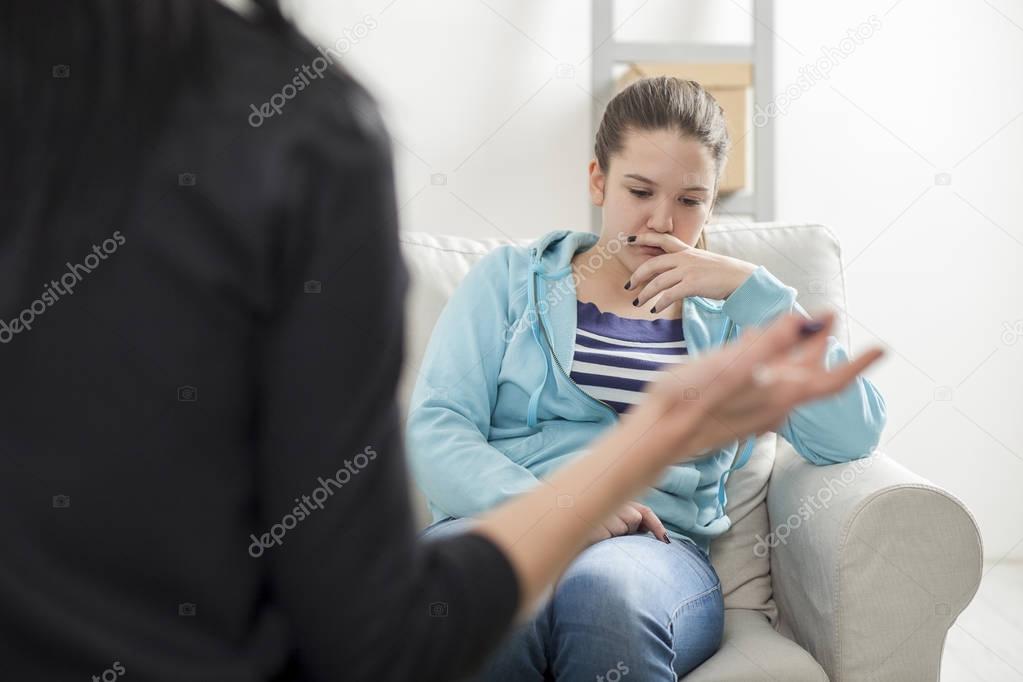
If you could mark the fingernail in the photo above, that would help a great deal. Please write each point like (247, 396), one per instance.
(666, 540)
(654, 309)
(810, 328)
(631, 239)
(627, 285)
(635, 301)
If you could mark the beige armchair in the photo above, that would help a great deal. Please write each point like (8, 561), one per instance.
(847, 572)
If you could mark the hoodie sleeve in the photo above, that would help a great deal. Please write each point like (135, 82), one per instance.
(837, 429)
(449, 418)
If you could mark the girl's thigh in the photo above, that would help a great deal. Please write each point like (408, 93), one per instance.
(637, 603)
(625, 601)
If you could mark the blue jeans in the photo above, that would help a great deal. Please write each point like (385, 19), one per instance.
(627, 607)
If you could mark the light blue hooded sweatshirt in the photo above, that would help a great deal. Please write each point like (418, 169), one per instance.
(494, 409)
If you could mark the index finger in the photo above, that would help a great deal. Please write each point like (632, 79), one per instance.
(839, 377)
(670, 243)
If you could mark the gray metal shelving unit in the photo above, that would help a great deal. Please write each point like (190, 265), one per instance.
(756, 201)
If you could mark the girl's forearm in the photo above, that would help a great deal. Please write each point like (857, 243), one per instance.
(542, 531)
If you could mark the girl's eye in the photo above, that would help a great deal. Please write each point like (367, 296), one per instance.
(643, 194)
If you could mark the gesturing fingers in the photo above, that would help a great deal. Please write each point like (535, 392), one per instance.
(722, 374)
(826, 383)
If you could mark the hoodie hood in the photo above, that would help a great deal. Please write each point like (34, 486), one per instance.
(554, 250)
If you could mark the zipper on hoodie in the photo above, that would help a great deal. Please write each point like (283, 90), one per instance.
(550, 347)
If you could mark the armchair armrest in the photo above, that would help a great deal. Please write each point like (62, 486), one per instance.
(870, 564)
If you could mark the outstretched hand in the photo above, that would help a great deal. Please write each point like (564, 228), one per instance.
(745, 388)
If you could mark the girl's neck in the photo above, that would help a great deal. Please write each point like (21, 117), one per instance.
(604, 286)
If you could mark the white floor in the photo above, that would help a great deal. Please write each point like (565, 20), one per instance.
(986, 642)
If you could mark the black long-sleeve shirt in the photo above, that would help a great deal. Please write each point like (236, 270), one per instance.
(235, 343)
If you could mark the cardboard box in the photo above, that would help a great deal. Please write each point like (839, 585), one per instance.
(729, 84)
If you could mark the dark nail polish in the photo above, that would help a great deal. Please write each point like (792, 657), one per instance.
(631, 239)
(810, 328)
(654, 309)
(627, 285)
(635, 302)
(666, 540)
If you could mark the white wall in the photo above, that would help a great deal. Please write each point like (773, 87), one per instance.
(471, 90)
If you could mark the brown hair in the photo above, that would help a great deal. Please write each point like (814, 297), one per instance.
(661, 102)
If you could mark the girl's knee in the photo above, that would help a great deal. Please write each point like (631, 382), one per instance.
(606, 596)
(698, 629)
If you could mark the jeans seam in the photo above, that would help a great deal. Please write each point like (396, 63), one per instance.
(711, 574)
(690, 600)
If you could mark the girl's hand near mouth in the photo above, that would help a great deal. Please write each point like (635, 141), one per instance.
(683, 271)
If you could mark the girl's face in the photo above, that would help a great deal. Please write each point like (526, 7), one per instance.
(658, 182)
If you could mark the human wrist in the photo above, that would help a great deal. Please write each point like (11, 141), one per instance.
(653, 436)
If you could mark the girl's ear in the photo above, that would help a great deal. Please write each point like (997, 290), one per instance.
(597, 180)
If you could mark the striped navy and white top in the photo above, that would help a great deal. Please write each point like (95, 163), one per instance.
(614, 357)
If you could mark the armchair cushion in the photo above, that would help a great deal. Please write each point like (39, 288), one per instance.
(745, 572)
(752, 650)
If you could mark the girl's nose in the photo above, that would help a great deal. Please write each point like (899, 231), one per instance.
(661, 220)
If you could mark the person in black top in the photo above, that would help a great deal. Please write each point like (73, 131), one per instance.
(201, 472)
